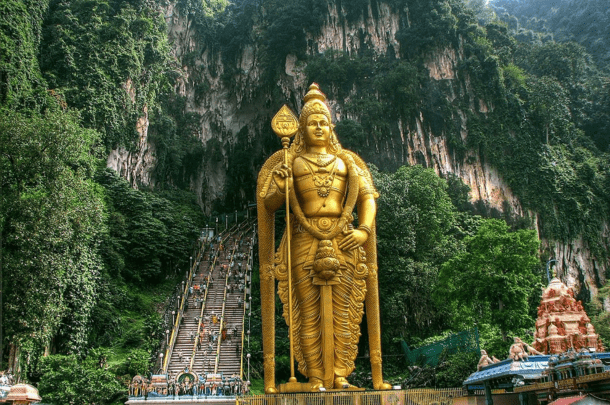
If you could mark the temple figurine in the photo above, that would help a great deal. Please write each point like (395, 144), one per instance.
(325, 267)
(520, 350)
(485, 360)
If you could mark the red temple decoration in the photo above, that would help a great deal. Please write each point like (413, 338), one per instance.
(563, 323)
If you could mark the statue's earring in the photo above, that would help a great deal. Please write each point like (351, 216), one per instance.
(298, 141)
(334, 142)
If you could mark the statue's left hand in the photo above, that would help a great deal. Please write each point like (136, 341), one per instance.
(353, 239)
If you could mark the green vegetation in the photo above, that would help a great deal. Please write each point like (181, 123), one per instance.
(543, 125)
(491, 281)
(87, 260)
(72, 380)
(600, 317)
(108, 59)
(452, 266)
(546, 20)
(74, 245)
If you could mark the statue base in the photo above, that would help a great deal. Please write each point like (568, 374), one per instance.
(297, 387)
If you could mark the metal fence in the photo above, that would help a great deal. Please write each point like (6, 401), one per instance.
(395, 397)
(465, 341)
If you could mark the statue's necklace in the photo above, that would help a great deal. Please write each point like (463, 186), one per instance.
(322, 182)
(348, 207)
(322, 159)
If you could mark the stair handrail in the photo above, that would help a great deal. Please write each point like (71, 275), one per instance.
(170, 348)
(222, 313)
(176, 327)
(203, 305)
(243, 321)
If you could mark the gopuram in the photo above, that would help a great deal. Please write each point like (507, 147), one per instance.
(562, 322)
(325, 266)
(566, 359)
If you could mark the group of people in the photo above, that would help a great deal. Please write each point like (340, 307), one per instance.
(232, 386)
(213, 328)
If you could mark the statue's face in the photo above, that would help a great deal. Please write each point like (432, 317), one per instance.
(317, 130)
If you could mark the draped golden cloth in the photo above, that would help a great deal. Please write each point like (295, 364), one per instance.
(348, 293)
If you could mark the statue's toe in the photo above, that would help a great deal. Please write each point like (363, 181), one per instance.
(383, 386)
(342, 384)
(315, 384)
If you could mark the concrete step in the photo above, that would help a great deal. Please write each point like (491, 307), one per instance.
(230, 358)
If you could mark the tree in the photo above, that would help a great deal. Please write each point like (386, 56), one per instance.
(493, 279)
(414, 221)
(75, 381)
(110, 59)
(52, 220)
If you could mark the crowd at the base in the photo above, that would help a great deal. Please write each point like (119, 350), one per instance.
(187, 385)
(212, 329)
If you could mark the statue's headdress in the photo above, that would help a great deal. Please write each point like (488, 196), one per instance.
(315, 103)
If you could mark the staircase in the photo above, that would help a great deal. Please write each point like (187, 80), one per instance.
(216, 299)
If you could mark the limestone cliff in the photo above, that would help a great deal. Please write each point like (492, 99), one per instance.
(244, 105)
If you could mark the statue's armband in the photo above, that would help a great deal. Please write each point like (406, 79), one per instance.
(274, 196)
(366, 189)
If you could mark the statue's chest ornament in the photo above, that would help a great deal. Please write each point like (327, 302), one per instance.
(322, 178)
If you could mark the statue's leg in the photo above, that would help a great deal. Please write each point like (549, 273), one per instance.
(347, 315)
(343, 328)
(310, 336)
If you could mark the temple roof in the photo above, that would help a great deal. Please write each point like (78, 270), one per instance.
(577, 399)
(524, 371)
(23, 392)
(529, 369)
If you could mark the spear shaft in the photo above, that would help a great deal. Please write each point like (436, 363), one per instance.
(285, 143)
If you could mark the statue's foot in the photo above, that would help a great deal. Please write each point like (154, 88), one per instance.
(383, 386)
(342, 384)
(270, 390)
(315, 384)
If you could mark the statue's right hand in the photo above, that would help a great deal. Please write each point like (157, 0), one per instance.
(280, 175)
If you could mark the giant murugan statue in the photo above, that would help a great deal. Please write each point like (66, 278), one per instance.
(326, 268)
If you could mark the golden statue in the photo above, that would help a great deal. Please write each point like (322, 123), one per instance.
(326, 269)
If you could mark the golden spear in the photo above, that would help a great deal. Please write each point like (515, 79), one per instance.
(285, 125)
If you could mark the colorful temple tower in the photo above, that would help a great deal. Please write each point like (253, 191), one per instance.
(563, 323)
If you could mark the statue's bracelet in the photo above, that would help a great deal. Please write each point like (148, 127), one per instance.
(365, 228)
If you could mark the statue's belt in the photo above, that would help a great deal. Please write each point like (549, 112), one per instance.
(322, 224)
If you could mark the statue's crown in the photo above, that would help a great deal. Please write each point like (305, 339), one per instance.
(315, 103)
(314, 93)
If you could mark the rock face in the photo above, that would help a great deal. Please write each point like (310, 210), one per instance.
(226, 109)
(136, 166)
(377, 32)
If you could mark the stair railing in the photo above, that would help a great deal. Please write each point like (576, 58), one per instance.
(243, 322)
(222, 313)
(170, 348)
(205, 299)
(204, 303)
